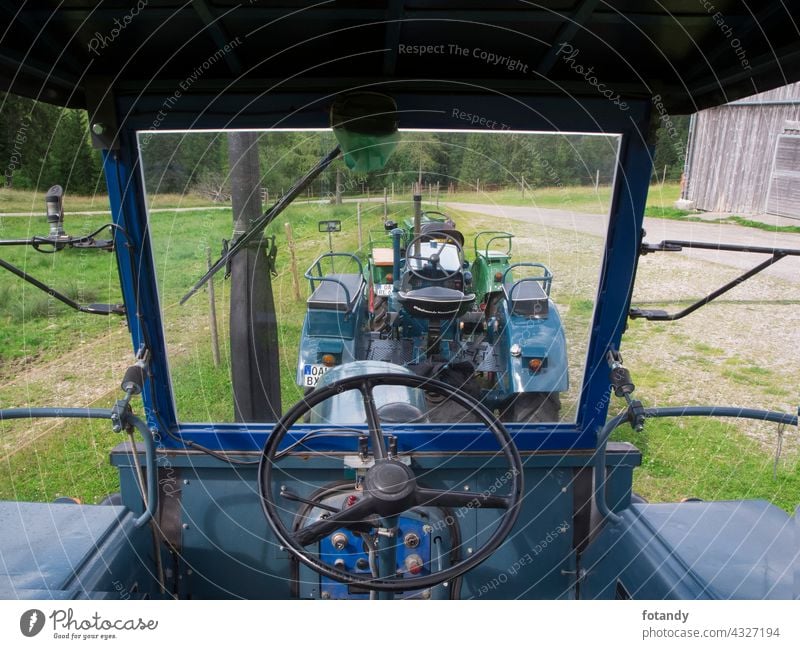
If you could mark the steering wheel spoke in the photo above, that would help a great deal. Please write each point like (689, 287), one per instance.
(376, 439)
(460, 499)
(356, 515)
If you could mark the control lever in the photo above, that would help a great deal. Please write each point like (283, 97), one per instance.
(290, 495)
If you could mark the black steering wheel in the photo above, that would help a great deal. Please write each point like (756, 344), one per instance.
(390, 487)
(433, 259)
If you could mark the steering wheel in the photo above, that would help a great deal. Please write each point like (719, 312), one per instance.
(390, 487)
(434, 258)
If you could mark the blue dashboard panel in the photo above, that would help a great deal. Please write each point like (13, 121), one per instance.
(212, 515)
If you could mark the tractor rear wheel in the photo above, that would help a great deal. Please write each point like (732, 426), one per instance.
(532, 407)
(380, 313)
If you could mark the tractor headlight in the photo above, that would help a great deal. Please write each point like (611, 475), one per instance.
(535, 364)
(516, 350)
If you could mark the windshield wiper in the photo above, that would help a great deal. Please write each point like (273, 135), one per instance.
(263, 221)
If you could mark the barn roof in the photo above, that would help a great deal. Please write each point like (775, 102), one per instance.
(693, 53)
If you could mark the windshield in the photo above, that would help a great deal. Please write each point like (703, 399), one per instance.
(318, 291)
(448, 257)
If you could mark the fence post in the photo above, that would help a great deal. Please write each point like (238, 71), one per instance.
(358, 219)
(293, 261)
(385, 204)
(212, 313)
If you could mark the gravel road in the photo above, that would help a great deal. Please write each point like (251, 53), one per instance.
(660, 229)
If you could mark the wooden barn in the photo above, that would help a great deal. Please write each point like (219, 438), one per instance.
(744, 157)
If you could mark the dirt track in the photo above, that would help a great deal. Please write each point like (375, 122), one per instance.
(660, 229)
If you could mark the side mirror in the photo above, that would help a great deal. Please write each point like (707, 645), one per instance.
(330, 226)
(365, 125)
(54, 201)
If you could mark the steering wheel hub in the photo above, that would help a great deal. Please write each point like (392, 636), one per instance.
(390, 481)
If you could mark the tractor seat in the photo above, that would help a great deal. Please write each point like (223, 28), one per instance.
(527, 299)
(435, 302)
(337, 292)
(433, 228)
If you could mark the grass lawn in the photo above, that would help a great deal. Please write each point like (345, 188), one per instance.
(702, 458)
(29, 202)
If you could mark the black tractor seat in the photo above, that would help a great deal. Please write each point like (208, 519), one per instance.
(435, 302)
(337, 291)
(431, 229)
(527, 298)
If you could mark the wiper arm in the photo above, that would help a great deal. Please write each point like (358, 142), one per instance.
(263, 221)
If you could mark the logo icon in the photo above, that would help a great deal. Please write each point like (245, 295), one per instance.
(31, 622)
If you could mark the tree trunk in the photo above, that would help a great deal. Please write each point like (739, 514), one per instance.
(255, 366)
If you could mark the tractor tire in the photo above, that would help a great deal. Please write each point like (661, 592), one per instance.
(532, 407)
(380, 313)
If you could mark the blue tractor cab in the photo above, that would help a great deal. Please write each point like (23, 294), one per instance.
(362, 488)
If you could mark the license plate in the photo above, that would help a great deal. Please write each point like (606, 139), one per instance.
(383, 290)
(312, 374)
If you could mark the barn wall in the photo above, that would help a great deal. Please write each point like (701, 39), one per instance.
(732, 149)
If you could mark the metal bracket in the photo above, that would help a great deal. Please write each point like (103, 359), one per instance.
(120, 412)
(660, 315)
(102, 113)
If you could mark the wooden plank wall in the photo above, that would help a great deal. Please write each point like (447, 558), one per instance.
(732, 149)
(784, 191)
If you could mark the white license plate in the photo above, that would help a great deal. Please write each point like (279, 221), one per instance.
(312, 374)
(383, 290)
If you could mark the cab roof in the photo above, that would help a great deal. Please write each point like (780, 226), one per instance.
(689, 54)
